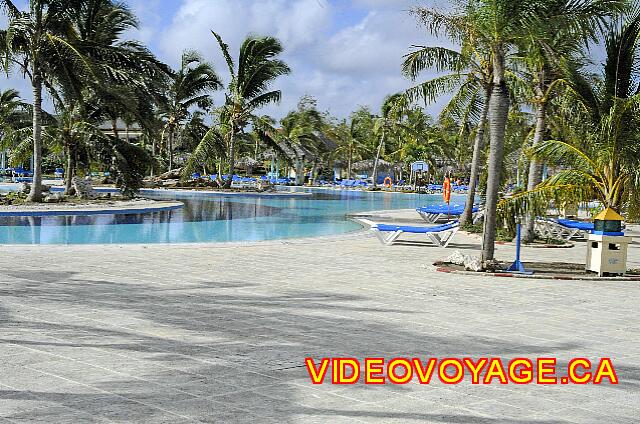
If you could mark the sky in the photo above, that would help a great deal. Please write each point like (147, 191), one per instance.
(345, 53)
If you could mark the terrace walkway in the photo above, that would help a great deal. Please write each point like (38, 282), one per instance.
(172, 334)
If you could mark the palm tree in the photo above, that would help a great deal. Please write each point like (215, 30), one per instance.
(14, 117)
(299, 136)
(599, 156)
(211, 148)
(387, 124)
(548, 54)
(354, 138)
(12, 110)
(350, 142)
(470, 76)
(249, 88)
(190, 87)
(38, 42)
(126, 81)
(420, 140)
(500, 25)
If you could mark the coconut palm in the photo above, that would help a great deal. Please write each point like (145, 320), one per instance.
(13, 110)
(190, 87)
(548, 54)
(500, 25)
(419, 139)
(211, 149)
(470, 75)
(69, 133)
(599, 157)
(388, 124)
(299, 136)
(14, 118)
(37, 41)
(350, 142)
(126, 82)
(249, 88)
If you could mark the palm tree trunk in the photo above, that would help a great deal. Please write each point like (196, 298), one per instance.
(498, 115)
(349, 163)
(377, 160)
(478, 146)
(255, 153)
(314, 171)
(69, 170)
(300, 171)
(36, 188)
(535, 169)
(170, 148)
(232, 157)
(114, 128)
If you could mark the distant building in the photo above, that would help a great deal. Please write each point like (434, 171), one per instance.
(130, 133)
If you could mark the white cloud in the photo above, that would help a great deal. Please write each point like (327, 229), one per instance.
(296, 23)
(345, 54)
(357, 64)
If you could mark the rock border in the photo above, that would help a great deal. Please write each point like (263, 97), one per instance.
(57, 209)
(504, 274)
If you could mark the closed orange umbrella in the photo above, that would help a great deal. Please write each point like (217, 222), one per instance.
(446, 190)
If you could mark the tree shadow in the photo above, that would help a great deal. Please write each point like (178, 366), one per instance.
(158, 351)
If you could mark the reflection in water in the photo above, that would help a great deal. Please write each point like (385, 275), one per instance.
(193, 211)
(206, 219)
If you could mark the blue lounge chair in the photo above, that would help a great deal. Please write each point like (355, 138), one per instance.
(349, 183)
(432, 214)
(21, 172)
(59, 173)
(440, 235)
(565, 229)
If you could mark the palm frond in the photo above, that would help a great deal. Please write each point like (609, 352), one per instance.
(562, 152)
(430, 90)
(225, 52)
(439, 58)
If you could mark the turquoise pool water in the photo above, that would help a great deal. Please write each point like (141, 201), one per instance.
(215, 218)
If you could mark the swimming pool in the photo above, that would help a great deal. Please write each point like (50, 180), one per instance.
(215, 218)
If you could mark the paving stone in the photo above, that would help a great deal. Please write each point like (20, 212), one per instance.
(219, 334)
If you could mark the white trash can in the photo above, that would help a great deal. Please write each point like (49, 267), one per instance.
(607, 254)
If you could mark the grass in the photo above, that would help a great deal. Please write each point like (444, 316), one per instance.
(506, 236)
(501, 234)
(12, 198)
